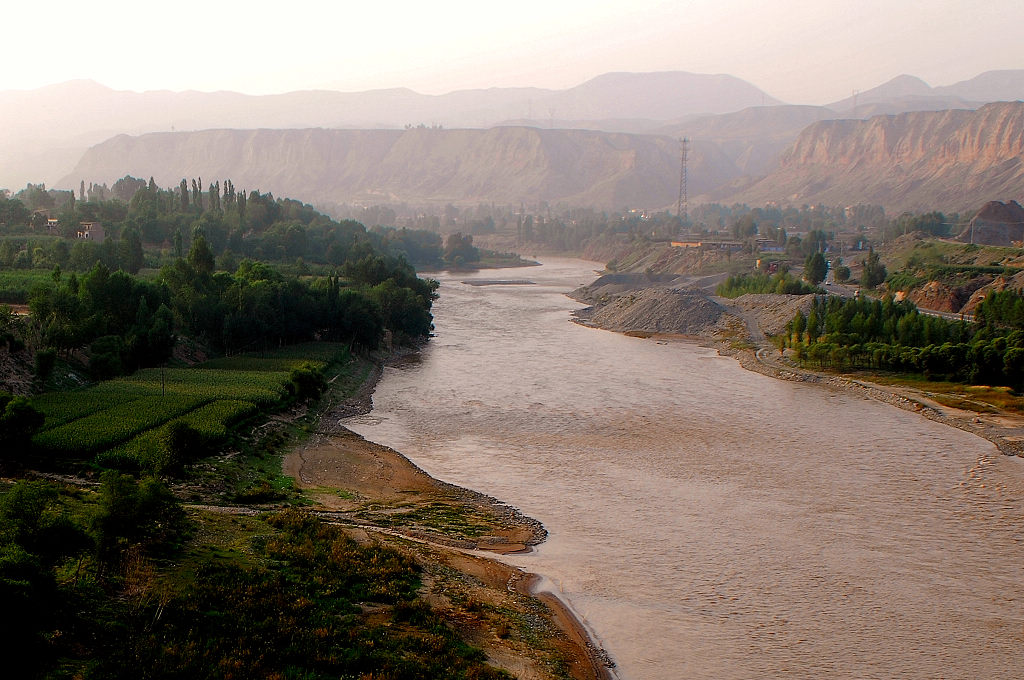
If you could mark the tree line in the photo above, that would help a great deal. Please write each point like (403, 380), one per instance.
(889, 335)
(146, 225)
(128, 322)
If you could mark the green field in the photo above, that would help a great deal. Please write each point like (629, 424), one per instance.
(263, 388)
(148, 449)
(63, 407)
(126, 421)
(109, 427)
(17, 284)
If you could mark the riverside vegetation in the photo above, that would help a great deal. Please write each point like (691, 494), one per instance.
(884, 334)
(104, 571)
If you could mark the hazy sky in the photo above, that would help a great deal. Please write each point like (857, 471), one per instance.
(810, 52)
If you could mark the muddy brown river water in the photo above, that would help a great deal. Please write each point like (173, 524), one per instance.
(709, 522)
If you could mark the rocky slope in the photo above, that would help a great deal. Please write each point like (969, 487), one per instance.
(947, 160)
(420, 166)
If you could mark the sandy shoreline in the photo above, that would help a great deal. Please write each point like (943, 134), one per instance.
(1004, 430)
(381, 496)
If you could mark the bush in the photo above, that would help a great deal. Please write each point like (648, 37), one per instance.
(307, 382)
(46, 359)
(105, 357)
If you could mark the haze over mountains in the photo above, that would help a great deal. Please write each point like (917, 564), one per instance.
(629, 157)
(43, 132)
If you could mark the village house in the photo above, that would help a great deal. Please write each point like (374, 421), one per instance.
(91, 231)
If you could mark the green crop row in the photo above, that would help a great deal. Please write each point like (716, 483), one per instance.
(63, 407)
(249, 363)
(147, 449)
(214, 419)
(263, 388)
(114, 425)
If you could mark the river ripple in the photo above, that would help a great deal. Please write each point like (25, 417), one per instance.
(709, 522)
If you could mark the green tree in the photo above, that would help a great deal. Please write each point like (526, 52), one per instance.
(200, 256)
(130, 513)
(19, 420)
(815, 268)
(459, 249)
(132, 255)
(873, 272)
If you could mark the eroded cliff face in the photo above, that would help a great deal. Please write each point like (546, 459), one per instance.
(947, 160)
(504, 165)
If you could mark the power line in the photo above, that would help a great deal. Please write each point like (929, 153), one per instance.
(681, 207)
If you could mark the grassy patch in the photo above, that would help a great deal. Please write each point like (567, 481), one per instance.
(978, 398)
(963, 404)
(445, 518)
(217, 537)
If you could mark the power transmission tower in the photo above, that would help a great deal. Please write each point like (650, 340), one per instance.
(682, 208)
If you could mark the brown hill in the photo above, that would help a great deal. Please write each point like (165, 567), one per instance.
(996, 224)
(419, 166)
(946, 160)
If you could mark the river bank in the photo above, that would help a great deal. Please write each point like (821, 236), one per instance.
(379, 496)
(740, 328)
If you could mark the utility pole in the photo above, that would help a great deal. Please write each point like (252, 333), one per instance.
(681, 207)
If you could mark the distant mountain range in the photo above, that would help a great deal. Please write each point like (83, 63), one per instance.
(43, 132)
(738, 134)
(419, 166)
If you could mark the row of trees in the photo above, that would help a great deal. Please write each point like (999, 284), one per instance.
(782, 283)
(129, 322)
(888, 335)
(214, 284)
(235, 224)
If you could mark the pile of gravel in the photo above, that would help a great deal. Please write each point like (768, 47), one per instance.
(772, 311)
(609, 286)
(656, 310)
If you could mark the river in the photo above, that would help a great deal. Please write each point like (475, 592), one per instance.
(710, 522)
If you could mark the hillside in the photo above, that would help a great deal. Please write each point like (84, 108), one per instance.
(946, 160)
(505, 165)
(753, 138)
(44, 131)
